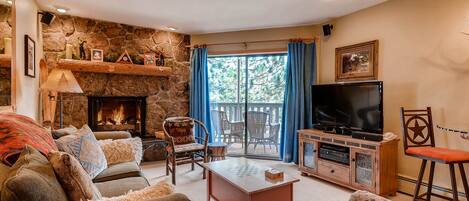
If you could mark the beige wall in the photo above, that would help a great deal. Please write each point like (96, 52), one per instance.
(27, 88)
(254, 35)
(423, 61)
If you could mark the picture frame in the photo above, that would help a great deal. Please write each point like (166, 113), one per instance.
(357, 62)
(97, 55)
(149, 58)
(29, 56)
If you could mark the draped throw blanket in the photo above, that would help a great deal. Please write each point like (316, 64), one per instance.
(297, 114)
(199, 91)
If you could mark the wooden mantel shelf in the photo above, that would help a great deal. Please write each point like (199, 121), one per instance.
(114, 68)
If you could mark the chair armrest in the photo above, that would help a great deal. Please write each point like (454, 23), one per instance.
(169, 142)
(104, 135)
(172, 197)
(236, 123)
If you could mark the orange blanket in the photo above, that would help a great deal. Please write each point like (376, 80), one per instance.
(16, 131)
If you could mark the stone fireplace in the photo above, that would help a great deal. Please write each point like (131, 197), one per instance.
(117, 113)
(165, 96)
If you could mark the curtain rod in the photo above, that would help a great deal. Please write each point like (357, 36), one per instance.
(256, 41)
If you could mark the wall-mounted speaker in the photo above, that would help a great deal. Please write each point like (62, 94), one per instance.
(327, 29)
(47, 17)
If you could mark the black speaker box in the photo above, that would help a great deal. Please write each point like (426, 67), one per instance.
(367, 136)
(327, 29)
(47, 17)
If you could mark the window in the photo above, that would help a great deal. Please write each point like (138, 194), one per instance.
(261, 101)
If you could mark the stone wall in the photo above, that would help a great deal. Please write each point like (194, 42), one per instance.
(167, 96)
(5, 73)
(5, 24)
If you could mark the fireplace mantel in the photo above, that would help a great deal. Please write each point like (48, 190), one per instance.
(114, 68)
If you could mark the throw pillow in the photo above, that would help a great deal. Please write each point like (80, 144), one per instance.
(56, 134)
(74, 179)
(149, 193)
(181, 129)
(117, 151)
(16, 131)
(136, 145)
(366, 196)
(32, 178)
(84, 146)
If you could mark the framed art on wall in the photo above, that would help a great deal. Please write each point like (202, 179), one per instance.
(357, 62)
(29, 56)
(149, 58)
(97, 55)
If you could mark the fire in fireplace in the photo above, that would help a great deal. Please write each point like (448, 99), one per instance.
(117, 114)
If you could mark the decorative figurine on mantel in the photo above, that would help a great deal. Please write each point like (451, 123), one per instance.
(159, 58)
(124, 58)
(82, 49)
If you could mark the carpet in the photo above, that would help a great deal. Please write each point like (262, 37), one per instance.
(191, 184)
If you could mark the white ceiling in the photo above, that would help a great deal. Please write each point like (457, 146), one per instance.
(210, 16)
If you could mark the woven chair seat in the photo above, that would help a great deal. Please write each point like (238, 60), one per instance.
(188, 147)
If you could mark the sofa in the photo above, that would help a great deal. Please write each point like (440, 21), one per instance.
(118, 179)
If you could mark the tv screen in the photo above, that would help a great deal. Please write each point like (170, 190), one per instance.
(351, 106)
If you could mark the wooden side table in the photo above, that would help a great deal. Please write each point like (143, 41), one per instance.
(217, 151)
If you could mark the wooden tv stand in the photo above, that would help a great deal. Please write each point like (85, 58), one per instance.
(372, 165)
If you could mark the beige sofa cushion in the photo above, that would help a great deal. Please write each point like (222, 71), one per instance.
(74, 179)
(119, 171)
(366, 196)
(32, 178)
(117, 151)
(150, 192)
(121, 186)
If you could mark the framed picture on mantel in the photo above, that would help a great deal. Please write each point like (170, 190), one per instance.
(357, 62)
(29, 56)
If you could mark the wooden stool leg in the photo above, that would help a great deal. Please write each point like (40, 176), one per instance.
(464, 180)
(167, 166)
(453, 182)
(419, 181)
(430, 181)
(192, 160)
(173, 168)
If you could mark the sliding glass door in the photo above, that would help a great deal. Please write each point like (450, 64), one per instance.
(246, 95)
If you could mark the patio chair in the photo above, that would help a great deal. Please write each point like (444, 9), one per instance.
(182, 146)
(226, 131)
(256, 126)
(274, 129)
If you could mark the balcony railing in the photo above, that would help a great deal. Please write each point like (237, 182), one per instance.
(234, 111)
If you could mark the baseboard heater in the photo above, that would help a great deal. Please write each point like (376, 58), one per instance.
(435, 187)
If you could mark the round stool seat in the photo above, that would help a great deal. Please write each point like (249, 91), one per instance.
(217, 151)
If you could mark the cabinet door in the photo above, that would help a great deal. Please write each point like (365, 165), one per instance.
(363, 169)
(308, 156)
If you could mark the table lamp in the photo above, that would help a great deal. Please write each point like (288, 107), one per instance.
(61, 81)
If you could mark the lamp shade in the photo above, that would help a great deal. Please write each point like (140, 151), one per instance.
(61, 80)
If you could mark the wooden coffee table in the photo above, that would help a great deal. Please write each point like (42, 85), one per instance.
(241, 179)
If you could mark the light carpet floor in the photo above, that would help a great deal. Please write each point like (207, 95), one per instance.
(191, 184)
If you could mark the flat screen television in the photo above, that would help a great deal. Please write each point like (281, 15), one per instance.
(346, 107)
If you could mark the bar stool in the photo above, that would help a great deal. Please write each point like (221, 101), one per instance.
(422, 145)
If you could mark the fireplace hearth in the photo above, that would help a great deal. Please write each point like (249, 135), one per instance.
(117, 113)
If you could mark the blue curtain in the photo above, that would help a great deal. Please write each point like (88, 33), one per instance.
(199, 91)
(297, 114)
